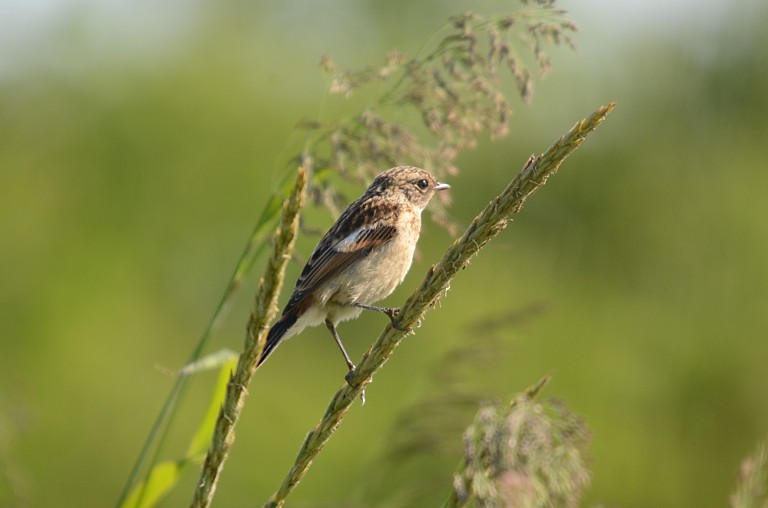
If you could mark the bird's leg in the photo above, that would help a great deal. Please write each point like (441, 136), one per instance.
(350, 365)
(332, 329)
(391, 313)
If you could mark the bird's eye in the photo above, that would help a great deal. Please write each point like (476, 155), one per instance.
(422, 184)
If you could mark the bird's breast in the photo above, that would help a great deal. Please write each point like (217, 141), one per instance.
(376, 276)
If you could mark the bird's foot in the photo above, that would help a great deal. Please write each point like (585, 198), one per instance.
(392, 313)
(348, 379)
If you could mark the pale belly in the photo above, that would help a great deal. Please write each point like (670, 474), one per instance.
(375, 277)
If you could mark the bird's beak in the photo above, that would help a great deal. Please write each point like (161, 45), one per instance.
(442, 186)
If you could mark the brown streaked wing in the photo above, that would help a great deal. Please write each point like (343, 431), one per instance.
(327, 262)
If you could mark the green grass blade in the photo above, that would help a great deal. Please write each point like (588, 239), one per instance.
(202, 438)
(165, 475)
(164, 421)
(159, 482)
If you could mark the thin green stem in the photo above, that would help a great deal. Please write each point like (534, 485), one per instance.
(264, 311)
(164, 421)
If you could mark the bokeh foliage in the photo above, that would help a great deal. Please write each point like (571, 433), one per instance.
(128, 186)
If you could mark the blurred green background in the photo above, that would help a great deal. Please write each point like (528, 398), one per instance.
(139, 142)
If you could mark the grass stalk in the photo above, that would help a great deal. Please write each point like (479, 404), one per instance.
(489, 223)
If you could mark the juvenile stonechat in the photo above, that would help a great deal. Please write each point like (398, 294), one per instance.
(361, 259)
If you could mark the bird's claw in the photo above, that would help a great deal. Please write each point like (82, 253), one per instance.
(392, 313)
(348, 379)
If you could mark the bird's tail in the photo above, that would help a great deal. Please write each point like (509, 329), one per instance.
(276, 333)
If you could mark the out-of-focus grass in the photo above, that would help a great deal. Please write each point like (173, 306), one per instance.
(126, 196)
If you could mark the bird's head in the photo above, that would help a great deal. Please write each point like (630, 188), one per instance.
(415, 184)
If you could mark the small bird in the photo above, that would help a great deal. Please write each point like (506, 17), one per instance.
(361, 259)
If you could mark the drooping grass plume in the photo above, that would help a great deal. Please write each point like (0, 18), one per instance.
(455, 87)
